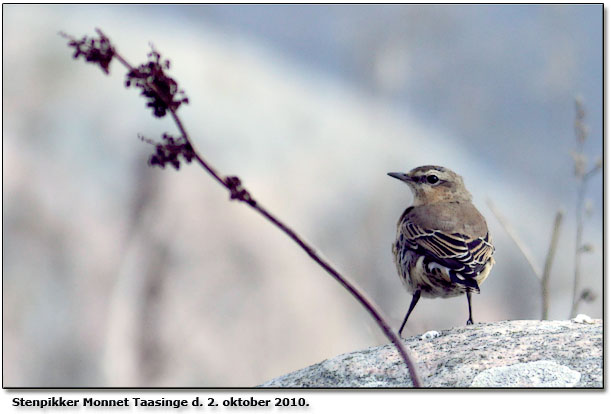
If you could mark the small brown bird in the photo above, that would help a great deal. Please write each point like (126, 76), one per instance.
(443, 247)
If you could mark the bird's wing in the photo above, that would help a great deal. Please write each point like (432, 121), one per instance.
(463, 255)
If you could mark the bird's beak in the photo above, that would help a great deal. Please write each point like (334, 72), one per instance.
(400, 176)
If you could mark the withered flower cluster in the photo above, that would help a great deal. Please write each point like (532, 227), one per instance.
(168, 151)
(98, 51)
(160, 90)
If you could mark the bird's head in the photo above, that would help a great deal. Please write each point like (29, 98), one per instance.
(433, 184)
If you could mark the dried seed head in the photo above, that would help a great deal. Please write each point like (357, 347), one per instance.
(588, 295)
(579, 163)
(98, 51)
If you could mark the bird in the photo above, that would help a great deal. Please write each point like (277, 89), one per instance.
(443, 247)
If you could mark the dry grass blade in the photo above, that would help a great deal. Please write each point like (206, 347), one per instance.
(537, 272)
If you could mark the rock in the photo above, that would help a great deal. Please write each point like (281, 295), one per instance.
(529, 374)
(430, 335)
(498, 354)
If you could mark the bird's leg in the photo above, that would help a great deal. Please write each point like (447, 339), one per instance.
(469, 297)
(415, 298)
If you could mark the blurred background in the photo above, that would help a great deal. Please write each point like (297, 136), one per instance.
(118, 274)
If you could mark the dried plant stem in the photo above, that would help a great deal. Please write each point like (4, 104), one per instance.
(552, 248)
(350, 286)
(543, 276)
(579, 231)
(576, 299)
(580, 163)
(537, 272)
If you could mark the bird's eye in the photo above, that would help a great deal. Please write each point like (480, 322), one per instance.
(432, 179)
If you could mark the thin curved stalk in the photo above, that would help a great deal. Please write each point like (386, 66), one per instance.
(244, 196)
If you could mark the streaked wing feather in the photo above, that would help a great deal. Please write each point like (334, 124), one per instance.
(456, 251)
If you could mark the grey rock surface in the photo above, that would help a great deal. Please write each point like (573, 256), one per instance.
(492, 355)
(528, 374)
